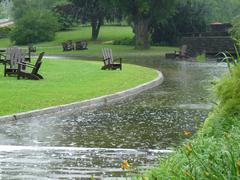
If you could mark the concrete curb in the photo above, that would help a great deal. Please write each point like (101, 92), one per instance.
(87, 103)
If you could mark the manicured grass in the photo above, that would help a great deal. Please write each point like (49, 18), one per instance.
(67, 81)
(106, 37)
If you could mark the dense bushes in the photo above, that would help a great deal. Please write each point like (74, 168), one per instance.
(235, 31)
(125, 41)
(34, 26)
(214, 152)
(5, 31)
(190, 17)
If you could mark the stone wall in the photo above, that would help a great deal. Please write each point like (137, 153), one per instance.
(210, 45)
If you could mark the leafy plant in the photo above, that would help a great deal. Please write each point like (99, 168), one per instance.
(35, 26)
(5, 31)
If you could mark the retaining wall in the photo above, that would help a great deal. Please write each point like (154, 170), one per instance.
(86, 103)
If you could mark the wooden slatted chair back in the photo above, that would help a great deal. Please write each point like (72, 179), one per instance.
(14, 57)
(107, 56)
(183, 50)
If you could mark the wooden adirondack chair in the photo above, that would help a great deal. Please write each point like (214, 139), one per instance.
(81, 45)
(12, 57)
(109, 61)
(68, 45)
(183, 52)
(33, 75)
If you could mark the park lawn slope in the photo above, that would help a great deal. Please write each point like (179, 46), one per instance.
(67, 81)
(106, 38)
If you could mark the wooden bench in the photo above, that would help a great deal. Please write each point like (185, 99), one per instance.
(109, 62)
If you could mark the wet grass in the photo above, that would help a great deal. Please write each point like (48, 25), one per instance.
(106, 37)
(67, 81)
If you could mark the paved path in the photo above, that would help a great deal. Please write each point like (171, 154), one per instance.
(6, 23)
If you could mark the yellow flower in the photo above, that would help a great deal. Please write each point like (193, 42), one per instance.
(189, 148)
(187, 133)
(186, 173)
(206, 174)
(125, 165)
(238, 166)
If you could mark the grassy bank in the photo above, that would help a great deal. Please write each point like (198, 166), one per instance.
(213, 153)
(67, 81)
(106, 37)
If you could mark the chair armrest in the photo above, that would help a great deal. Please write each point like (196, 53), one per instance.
(118, 59)
(6, 61)
(26, 64)
(106, 59)
(3, 55)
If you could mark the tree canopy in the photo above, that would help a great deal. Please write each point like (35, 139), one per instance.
(141, 13)
(95, 12)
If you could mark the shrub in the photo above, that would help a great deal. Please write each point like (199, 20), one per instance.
(4, 32)
(65, 22)
(235, 30)
(35, 26)
(125, 41)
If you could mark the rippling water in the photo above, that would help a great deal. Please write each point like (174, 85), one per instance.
(95, 141)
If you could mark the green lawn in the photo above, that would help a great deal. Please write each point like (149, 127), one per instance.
(107, 35)
(67, 81)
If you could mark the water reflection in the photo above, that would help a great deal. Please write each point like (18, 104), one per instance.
(153, 120)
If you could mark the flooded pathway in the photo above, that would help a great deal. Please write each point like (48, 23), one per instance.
(94, 142)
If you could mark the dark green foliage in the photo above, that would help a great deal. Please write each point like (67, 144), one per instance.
(228, 90)
(125, 41)
(5, 31)
(235, 31)
(66, 14)
(224, 10)
(21, 7)
(34, 26)
(96, 12)
(142, 13)
(65, 22)
(190, 17)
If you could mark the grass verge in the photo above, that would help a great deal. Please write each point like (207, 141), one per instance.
(67, 81)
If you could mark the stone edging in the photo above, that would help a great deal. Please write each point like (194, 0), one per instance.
(87, 103)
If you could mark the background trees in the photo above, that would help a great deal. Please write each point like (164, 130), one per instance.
(141, 13)
(34, 26)
(191, 16)
(95, 12)
(34, 21)
(157, 21)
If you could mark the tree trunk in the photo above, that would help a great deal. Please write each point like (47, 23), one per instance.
(141, 28)
(96, 24)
